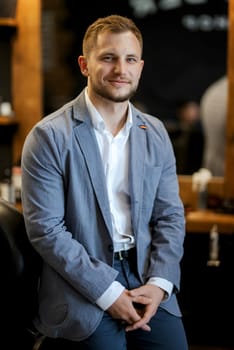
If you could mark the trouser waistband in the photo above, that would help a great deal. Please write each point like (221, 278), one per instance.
(124, 254)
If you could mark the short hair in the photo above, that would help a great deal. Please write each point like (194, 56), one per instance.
(112, 23)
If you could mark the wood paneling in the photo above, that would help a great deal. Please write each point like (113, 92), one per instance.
(229, 171)
(26, 71)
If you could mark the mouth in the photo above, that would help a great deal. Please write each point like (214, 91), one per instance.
(119, 83)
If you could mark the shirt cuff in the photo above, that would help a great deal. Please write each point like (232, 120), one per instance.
(162, 283)
(110, 295)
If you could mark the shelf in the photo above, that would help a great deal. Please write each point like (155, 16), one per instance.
(8, 22)
(7, 121)
(202, 222)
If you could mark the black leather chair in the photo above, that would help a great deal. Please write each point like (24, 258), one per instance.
(19, 274)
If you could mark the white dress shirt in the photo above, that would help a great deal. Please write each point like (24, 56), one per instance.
(114, 152)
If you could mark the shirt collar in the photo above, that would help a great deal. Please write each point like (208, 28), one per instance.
(96, 118)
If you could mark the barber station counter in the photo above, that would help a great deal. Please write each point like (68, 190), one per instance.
(201, 221)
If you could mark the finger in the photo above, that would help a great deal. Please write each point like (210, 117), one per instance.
(137, 325)
(142, 300)
(135, 292)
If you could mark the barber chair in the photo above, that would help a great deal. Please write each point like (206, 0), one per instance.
(19, 274)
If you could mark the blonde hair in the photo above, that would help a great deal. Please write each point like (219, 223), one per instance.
(112, 23)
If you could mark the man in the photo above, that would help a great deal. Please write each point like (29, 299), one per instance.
(101, 206)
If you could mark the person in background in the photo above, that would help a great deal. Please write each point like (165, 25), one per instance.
(101, 205)
(213, 117)
(188, 114)
(189, 138)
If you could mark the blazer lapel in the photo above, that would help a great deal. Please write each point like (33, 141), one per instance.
(89, 146)
(136, 166)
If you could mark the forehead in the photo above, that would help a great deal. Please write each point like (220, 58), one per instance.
(114, 42)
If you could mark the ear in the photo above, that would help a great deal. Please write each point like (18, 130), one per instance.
(83, 65)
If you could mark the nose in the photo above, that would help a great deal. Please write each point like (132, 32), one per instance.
(120, 66)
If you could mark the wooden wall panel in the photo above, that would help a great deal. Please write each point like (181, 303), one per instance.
(26, 70)
(229, 171)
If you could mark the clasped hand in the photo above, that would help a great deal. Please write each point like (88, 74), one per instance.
(137, 306)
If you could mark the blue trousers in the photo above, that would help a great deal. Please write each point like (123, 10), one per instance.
(167, 331)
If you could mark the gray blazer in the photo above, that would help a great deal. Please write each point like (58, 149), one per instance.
(67, 215)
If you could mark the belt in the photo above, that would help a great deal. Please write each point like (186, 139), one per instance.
(124, 254)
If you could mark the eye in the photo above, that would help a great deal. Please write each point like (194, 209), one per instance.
(132, 59)
(108, 58)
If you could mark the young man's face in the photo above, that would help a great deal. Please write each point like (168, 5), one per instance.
(114, 66)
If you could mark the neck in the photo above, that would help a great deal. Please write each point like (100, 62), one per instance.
(114, 114)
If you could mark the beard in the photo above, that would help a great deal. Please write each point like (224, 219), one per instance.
(109, 95)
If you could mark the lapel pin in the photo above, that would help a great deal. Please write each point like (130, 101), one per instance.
(143, 126)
